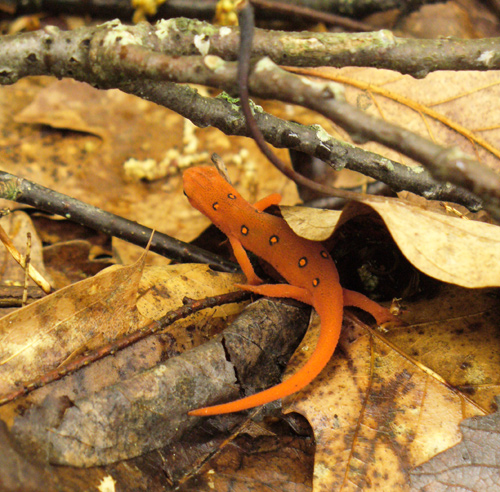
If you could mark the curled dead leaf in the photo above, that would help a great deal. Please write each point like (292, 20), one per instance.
(450, 249)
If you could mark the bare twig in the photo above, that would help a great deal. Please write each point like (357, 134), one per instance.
(24, 191)
(135, 63)
(26, 54)
(269, 81)
(27, 264)
(246, 21)
(191, 307)
(289, 9)
(445, 164)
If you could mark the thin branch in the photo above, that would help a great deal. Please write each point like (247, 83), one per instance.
(131, 63)
(312, 140)
(23, 191)
(445, 164)
(289, 10)
(191, 307)
(246, 21)
(24, 261)
(325, 100)
(27, 264)
(269, 81)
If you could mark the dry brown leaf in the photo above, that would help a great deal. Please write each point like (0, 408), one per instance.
(311, 223)
(16, 471)
(450, 249)
(136, 401)
(376, 415)
(160, 290)
(164, 287)
(45, 334)
(471, 465)
(265, 464)
(84, 165)
(149, 410)
(386, 404)
(19, 473)
(70, 105)
(443, 20)
(455, 334)
(71, 261)
(142, 413)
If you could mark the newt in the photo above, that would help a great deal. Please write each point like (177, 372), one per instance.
(306, 265)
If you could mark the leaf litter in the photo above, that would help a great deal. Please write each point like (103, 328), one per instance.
(408, 238)
(376, 413)
(472, 464)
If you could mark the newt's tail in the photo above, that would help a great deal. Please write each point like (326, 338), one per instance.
(331, 323)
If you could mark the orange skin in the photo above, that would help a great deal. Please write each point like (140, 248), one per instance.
(305, 265)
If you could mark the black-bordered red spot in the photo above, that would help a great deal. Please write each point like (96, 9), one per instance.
(324, 254)
(231, 196)
(244, 230)
(274, 240)
(303, 262)
(315, 282)
(215, 205)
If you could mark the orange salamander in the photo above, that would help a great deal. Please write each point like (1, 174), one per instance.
(305, 265)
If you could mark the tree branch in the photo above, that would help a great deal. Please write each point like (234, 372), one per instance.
(187, 37)
(124, 57)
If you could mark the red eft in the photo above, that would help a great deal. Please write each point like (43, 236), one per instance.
(305, 265)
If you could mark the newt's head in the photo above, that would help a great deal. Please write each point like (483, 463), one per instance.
(213, 196)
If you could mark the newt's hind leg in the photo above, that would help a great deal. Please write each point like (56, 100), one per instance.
(381, 314)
